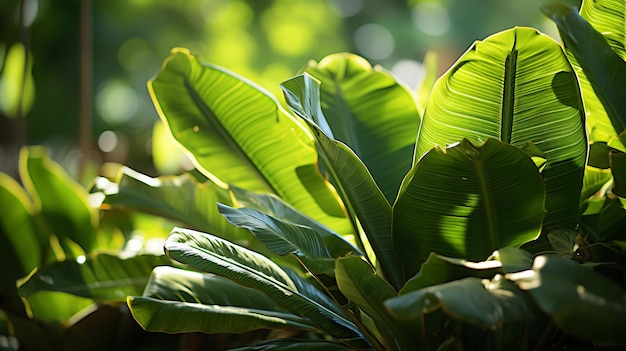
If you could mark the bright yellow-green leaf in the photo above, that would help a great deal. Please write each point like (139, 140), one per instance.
(239, 134)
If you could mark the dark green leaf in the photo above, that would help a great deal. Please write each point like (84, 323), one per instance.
(284, 238)
(294, 345)
(362, 286)
(100, 276)
(486, 304)
(178, 317)
(439, 269)
(579, 300)
(73, 218)
(273, 205)
(214, 255)
(467, 201)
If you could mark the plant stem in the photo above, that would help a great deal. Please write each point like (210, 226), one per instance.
(21, 124)
(85, 84)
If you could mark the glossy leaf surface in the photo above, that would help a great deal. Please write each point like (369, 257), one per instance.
(579, 300)
(366, 108)
(205, 302)
(46, 182)
(518, 87)
(284, 238)
(101, 277)
(362, 196)
(485, 304)
(467, 201)
(238, 134)
(594, 40)
(214, 255)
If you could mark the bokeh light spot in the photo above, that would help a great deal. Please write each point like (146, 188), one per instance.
(134, 54)
(374, 41)
(347, 8)
(107, 141)
(431, 18)
(116, 102)
(409, 72)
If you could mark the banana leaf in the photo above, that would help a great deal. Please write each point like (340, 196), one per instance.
(363, 198)
(214, 255)
(239, 134)
(100, 277)
(483, 303)
(580, 301)
(516, 86)
(594, 41)
(177, 301)
(73, 220)
(467, 201)
(367, 109)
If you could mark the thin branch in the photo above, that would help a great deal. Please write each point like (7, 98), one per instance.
(86, 54)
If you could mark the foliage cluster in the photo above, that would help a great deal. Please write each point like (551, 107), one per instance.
(364, 216)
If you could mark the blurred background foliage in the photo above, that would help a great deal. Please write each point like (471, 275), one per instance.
(265, 41)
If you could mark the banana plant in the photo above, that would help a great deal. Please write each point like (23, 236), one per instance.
(355, 216)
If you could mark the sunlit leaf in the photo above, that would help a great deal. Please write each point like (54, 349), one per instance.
(516, 86)
(362, 196)
(178, 317)
(270, 204)
(467, 201)
(603, 68)
(438, 269)
(370, 111)
(239, 134)
(22, 245)
(46, 182)
(180, 198)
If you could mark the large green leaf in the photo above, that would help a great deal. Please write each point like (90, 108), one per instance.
(178, 317)
(272, 205)
(177, 300)
(486, 304)
(239, 134)
(579, 300)
(467, 201)
(214, 255)
(46, 182)
(516, 86)
(361, 285)
(601, 66)
(366, 108)
(284, 238)
(100, 276)
(438, 269)
(607, 17)
(22, 246)
(180, 198)
(362, 196)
